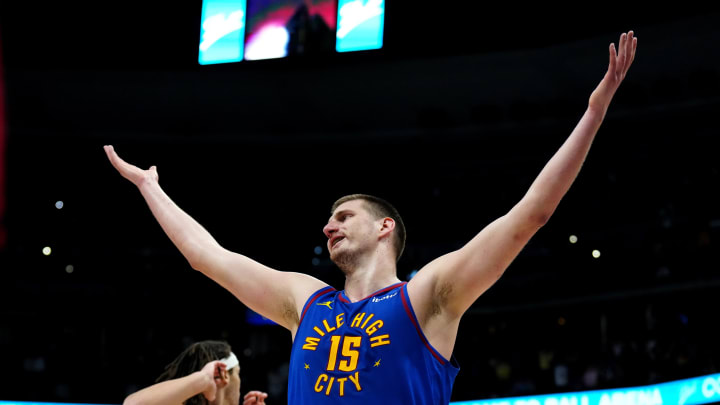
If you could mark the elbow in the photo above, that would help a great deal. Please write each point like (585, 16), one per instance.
(539, 214)
(197, 264)
(203, 260)
(531, 225)
(534, 218)
(540, 219)
(201, 256)
(194, 256)
(534, 211)
(194, 262)
(132, 400)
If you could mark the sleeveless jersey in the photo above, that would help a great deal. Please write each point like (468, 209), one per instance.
(365, 352)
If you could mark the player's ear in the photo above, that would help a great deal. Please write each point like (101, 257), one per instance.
(387, 226)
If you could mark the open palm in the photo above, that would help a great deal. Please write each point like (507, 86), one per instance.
(620, 62)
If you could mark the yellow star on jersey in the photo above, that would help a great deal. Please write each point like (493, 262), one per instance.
(307, 366)
(377, 363)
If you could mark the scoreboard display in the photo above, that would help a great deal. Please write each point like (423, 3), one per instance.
(238, 30)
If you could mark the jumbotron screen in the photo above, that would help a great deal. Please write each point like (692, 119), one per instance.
(237, 30)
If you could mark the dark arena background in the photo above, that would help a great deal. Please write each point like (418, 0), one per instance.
(450, 120)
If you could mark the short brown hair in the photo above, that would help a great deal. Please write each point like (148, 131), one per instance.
(379, 208)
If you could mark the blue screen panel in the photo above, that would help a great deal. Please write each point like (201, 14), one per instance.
(222, 31)
(360, 25)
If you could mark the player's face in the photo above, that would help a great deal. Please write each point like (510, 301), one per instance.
(233, 387)
(349, 231)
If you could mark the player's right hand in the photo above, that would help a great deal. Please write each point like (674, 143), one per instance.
(133, 173)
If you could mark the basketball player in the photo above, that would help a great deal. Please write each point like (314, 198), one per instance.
(380, 340)
(205, 373)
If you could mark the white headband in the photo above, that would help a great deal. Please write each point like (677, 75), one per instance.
(230, 361)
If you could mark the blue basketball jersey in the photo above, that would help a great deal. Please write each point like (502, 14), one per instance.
(370, 351)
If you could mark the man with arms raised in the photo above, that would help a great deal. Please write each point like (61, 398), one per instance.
(381, 339)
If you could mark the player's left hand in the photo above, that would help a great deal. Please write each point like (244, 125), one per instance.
(620, 62)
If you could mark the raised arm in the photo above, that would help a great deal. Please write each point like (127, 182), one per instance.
(173, 392)
(443, 290)
(274, 294)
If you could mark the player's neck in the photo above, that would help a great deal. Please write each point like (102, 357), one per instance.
(367, 279)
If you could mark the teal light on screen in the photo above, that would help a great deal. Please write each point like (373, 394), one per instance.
(360, 25)
(690, 391)
(222, 31)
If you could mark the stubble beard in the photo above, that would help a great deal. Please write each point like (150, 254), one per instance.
(345, 261)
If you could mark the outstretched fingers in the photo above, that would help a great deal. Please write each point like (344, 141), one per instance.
(613, 60)
(120, 165)
(112, 156)
(115, 159)
(632, 45)
(622, 57)
(130, 172)
(255, 398)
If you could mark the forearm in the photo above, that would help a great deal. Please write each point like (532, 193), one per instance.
(470, 270)
(193, 241)
(560, 172)
(171, 392)
(478, 264)
(276, 295)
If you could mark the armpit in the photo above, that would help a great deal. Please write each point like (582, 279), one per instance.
(440, 298)
(289, 313)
